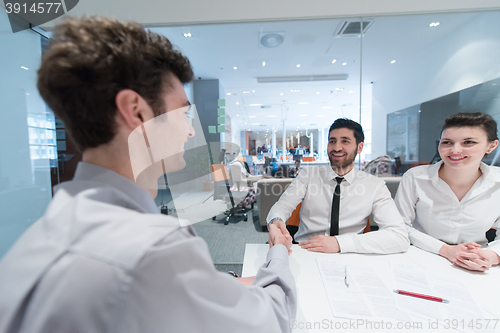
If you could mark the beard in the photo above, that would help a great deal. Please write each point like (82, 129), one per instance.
(345, 162)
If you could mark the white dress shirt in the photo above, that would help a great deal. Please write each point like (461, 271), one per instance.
(102, 259)
(434, 216)
(361, 194)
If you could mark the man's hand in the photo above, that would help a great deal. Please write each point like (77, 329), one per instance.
(321, 243)
(281, 226)
(277, 236)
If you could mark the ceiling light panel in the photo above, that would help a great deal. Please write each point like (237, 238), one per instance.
(302, 78)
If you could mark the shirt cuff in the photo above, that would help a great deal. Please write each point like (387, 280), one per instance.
(346, 242)
(278, 251)
(274, 218)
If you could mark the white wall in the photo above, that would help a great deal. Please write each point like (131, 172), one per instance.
(188, 12)
(467, 57)
(235, 133)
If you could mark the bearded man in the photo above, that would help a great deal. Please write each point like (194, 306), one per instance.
(338, 199)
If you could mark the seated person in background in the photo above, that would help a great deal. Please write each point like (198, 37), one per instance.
(295, 172)
(449, 206)
(102, 258)
(274, 166)
(334, 223)
(240, 174)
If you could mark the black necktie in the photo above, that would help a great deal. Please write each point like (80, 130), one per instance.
(334, 226)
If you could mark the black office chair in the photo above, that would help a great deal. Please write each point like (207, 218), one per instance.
(267, 165)
(397, 168)
(491, 234)
(222, 190)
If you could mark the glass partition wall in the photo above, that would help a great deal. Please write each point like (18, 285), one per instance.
(283, 84)
(27, 135)
(444, 64)
(400, 78)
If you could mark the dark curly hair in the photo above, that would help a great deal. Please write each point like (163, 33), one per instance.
(473, 119)
(350, 124)
(90, 60)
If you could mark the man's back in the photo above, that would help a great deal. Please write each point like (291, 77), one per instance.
(103, 260)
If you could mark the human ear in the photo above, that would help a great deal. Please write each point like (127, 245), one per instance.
(360, 147)
(132, 108)
(491, 146)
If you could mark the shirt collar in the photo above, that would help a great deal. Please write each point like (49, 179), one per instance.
(93, 173)
(490, 174)
(432, 173)
(349, 177)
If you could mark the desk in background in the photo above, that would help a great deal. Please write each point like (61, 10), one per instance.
(313, 305)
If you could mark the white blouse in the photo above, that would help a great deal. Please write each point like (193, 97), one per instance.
(434, 216)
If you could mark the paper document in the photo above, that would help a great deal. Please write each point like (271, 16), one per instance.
(357, 292)
(462, 306)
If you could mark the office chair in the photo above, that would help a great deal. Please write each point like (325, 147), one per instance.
(222, 190)
(267, 165)
(397, 168)
(491, 235)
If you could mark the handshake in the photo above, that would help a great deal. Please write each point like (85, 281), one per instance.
(278, 234)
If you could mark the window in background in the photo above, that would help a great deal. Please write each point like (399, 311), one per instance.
(408, 138)
(438, 70)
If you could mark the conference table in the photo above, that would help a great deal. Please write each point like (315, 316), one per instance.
(313, 304)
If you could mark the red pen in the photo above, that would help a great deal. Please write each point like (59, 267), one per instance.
(427, 297)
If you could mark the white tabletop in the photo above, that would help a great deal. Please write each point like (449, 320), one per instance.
(313, 305)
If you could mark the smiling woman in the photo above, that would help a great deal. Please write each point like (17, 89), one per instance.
(448, 207)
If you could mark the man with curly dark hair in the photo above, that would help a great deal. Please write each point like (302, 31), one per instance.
(102, 259)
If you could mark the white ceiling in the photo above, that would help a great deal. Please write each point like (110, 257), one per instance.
(215, 49)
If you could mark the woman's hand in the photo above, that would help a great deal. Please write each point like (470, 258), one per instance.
(487, 257)
(490, 255)
(469, 256)
(452, 252)
(472, 262)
